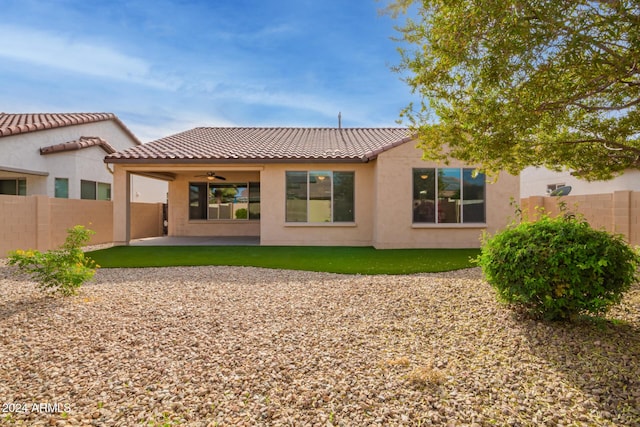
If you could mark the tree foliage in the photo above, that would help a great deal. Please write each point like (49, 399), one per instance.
(517, 83)
(62, 270)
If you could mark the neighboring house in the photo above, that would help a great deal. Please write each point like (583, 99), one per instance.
(542, 182)
(314, 186)
(61, 155)
(612, 205)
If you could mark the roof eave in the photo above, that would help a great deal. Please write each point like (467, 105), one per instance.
(374, 154)
(236, 161)
(97, 117)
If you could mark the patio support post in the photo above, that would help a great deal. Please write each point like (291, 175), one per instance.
(121, 206)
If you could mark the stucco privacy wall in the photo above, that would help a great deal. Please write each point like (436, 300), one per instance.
(40, 222)
(617, 212)
(146, 220)
(43, 222)
(394, 226)
(17, 220)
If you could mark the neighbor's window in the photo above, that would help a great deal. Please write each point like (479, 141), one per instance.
(320, 196)
(224, 201)
(13, 187)
(448, 195)
(91, 190)
(552, 187)
(61, 188)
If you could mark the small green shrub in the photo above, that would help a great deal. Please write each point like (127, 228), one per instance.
(62, 270)
(558, 268)
(241, 213)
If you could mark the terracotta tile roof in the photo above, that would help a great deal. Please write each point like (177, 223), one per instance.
(205, 144)
(13, 124)
(83, 142)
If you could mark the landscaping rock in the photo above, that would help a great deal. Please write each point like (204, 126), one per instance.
(198, 346)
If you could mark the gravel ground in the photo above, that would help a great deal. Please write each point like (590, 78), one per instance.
(208, 346)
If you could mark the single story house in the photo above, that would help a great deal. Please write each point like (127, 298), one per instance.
(314, 186)
(62, 156)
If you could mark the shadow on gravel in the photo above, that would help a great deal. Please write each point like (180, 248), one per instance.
(600, 357)
(34, 303)
(10, 307)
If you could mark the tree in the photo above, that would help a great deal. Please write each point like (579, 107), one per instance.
(517, 83)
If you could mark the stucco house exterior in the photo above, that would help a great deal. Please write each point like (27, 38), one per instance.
(61, 156)
(538, 181)
(314, 186)
(612, 205)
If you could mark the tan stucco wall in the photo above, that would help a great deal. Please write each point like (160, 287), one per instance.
(146, 220)
(181, 225)
(274, 229)
(394, 226)
(383, 205)
(40, 222)
(96, 215)
(617, 212)
(17, 219)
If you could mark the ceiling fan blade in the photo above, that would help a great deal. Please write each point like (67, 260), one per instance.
(211, 176)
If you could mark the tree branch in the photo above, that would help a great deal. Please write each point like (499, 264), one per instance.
(606, 143)
(603, 108)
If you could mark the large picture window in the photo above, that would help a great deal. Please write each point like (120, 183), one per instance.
(91, 190)
(320, 196)
(448, 195)
(13, 187)
(216, 201)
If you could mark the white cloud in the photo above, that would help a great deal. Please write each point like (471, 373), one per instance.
(62, 51)
(161, 128)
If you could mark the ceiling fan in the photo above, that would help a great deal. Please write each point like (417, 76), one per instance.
(212, 176)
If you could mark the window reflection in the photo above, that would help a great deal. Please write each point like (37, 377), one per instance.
(448, 195)
(228, 201)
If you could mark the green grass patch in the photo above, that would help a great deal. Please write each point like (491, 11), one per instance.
(347, 260)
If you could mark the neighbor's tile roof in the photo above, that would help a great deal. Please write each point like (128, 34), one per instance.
(14, 124)
(83, 142)
(204, 144)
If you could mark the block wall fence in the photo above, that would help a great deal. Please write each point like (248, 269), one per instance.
(41, 222)
(617, 212)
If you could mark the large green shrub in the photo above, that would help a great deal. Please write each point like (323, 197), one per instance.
(558, 268)
(62, 270)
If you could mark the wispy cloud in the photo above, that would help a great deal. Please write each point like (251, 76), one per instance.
(285, 63)
(66, 52)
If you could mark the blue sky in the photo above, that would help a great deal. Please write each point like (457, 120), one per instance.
(164, 66)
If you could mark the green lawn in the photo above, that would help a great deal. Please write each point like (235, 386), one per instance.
(349, 260)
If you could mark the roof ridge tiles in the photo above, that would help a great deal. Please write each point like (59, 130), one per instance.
(78, 144)
(296, 128)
